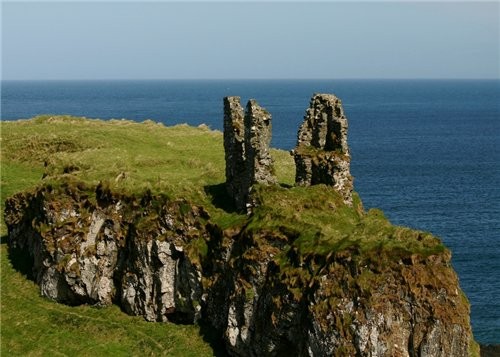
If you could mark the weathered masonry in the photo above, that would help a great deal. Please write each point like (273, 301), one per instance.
(247, 136)
(321, 155)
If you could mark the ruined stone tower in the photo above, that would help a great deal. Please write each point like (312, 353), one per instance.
(234, 148)
(246, 143)
(322, 154)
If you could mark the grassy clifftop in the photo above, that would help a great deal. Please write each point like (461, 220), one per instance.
(180, 162)
(183, 162)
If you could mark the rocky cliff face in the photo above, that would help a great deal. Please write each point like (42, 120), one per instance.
(129, 250)
(344, 304)
(166, 261)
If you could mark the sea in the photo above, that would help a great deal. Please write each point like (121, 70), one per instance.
(427, 152)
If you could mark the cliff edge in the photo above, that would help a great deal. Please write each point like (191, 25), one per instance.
(302, 270)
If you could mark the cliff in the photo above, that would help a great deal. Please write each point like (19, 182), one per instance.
(268, 285)
(306, 272)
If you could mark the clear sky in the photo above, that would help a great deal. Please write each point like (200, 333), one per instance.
(175, 40)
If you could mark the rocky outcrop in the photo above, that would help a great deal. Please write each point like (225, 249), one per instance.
(246, 142)
(322, 154)
(138, 251)
(264, 308)
(162, 259)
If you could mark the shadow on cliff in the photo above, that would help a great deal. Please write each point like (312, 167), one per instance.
(21, 261)
(213, 338)
(219, 197)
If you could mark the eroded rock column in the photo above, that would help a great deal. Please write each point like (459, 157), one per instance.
(322, 154)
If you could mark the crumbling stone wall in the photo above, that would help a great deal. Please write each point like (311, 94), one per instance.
(257, 141)
(247, 137)
(234, 147)
(322, 154)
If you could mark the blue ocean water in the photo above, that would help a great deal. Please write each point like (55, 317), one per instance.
(427, 152)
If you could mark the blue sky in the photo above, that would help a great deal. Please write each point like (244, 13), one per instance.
(175, 40)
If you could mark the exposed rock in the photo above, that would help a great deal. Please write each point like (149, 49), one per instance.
(165, 261)
(246, 142)
(408, 309)
(250, 305)
(392, 313)
(85, 252)
(160, 283)
(322, 153)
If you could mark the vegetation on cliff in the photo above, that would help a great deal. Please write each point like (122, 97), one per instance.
(305, 232)
(33, 325)
(183, 162)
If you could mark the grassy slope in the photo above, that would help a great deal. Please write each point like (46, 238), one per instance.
(180, 161)
(146, 153)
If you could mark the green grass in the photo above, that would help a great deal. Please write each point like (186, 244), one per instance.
(322, 224)
(180, 162)
(32, 325)
(151, 156)
(129, 155)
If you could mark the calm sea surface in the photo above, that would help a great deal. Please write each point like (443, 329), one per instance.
(426, 152)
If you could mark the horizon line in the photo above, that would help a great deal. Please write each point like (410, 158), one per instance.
(249, 79)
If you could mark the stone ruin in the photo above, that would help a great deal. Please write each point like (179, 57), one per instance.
(322, 153)
(247, 136)
(321, 156)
